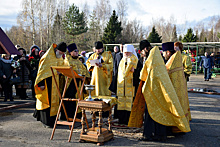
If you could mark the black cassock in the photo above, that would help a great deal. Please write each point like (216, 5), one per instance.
(44, 115)
(70, 106)
(113, 86)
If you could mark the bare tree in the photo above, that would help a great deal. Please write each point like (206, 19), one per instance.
(103, 13)
(122, 7)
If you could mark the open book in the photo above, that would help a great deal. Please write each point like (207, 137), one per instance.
(93, 62)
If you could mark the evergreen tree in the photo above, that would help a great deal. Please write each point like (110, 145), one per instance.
(112, 30)
(57, 32)
(154, 36)
(74, 23)
(180, 38)
(218, 35)
(202, 35)
(190, 37)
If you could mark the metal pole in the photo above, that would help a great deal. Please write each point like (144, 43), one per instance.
(196, 57)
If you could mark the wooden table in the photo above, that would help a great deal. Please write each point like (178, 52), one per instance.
(95, 134)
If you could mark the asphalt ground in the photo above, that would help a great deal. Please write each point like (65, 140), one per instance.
(19, 128)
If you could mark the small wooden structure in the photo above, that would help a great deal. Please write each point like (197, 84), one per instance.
(95, 134)
(69, 73)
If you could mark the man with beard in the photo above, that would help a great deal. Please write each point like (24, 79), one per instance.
(145, 48)
(168, 50)
(102, 71)
(175, 71)
(72, 59)
(163, 108)
(186, 60)
(47, 103)
(125, 88)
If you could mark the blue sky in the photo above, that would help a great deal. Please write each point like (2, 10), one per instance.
(142, 10)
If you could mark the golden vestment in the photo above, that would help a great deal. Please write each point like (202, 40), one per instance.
(175, 70)
(125, 88)
(101, 76)
(162, 102)
(77, 66)
(48, 59)
(187, 64)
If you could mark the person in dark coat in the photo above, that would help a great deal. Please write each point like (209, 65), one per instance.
(23, 71)
(113, 86)
(6, 72)
(34, 59)
(145, 48)
(116, 50)
(207, 64)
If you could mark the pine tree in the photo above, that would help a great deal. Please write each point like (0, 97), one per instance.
(154, 36)
(112, 30)
(190, 37)
(74, 23)
(180, 38)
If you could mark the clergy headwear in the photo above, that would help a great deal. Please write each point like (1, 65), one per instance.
(143, 44)
(168, 46)
(62, 46)
(129, 48)
(71, 47)
(98, 45)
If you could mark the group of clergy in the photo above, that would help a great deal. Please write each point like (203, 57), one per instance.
(154, 85)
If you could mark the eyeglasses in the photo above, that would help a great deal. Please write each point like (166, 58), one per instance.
(76, 50)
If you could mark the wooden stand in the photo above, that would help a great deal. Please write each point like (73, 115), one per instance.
(69, 73)
(95, 134)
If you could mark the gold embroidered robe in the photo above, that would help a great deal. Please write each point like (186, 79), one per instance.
(187, 64)
(162, 102)
(48, 59)
(101, 76)
(125, 88)
(77, 66)
(175, 70)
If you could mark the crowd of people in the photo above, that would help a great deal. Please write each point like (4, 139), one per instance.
(150, 86)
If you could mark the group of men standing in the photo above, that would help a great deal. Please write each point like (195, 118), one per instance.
(153, 84)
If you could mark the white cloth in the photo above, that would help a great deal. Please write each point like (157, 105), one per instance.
(129, 48)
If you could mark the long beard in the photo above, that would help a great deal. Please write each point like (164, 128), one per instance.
(58, 55)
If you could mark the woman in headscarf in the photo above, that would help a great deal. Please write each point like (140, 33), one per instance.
(6, 71)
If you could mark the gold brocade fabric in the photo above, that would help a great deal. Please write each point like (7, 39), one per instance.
(101, 76)
(78, 67)
(49, 59)
(76, 64)
(160, 96)
(138, 108)
(125, 88)
(175, 70)
(187, 64)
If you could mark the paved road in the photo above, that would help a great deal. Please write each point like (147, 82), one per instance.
(19, 128)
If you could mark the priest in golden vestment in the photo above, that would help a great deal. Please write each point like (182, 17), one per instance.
(101, 71)
(125, 88)
(176, 73)
(47, 103)
(186, 60)
(72, 59)
(163, 108)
